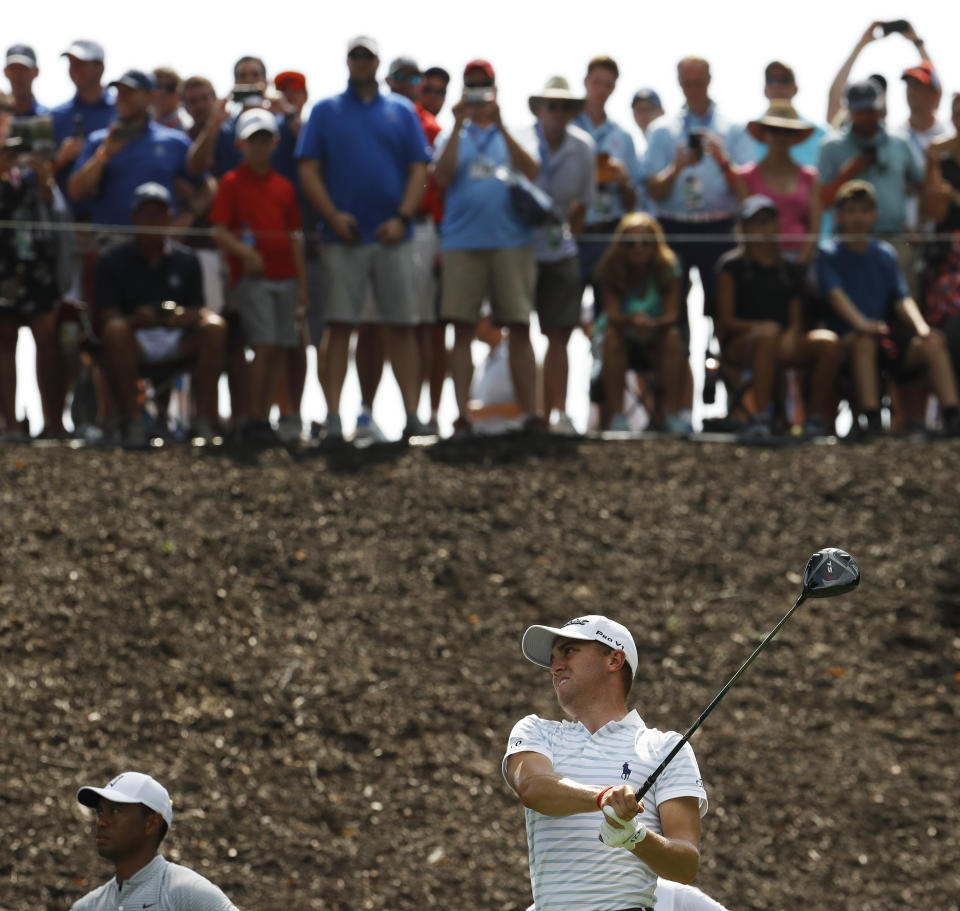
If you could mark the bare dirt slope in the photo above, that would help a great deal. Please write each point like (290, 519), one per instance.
(320, 657)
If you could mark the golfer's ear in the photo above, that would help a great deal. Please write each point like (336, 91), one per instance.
(617, 659)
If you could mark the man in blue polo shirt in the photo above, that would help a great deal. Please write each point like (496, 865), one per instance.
(132, 151)
(487, 249)
(91, 108)
(363, 165)
(21, 69)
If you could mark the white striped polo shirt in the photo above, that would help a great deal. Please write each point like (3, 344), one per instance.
(159, 886)
(570, 868)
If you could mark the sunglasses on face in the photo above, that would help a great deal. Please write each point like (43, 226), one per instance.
(360, 53)
(779, 80)
(412, 78)
(778, 131)
(564, 106)
(434, 90)
(484, 84)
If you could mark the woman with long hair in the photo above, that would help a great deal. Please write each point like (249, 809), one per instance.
(637, 323)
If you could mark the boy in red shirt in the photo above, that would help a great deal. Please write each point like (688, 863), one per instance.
(253, 215)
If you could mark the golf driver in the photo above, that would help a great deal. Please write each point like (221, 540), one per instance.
(830, 571)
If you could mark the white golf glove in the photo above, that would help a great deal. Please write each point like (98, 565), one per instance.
(632, 833)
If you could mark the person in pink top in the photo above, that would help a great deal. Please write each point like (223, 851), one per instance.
(794, 188)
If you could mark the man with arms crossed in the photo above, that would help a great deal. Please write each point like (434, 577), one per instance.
(567, 773)
(133, 814)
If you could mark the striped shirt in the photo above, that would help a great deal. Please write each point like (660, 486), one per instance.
(570, 868)
(159, 886)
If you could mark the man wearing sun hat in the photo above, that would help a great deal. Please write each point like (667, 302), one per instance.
(134, 812)
(568, 176)
(570, 776)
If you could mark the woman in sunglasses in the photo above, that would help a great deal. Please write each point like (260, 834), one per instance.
(794, 188)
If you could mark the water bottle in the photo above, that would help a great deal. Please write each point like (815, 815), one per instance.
(247, 236)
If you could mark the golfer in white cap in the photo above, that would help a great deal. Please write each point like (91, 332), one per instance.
(134, 812)
(577, 779)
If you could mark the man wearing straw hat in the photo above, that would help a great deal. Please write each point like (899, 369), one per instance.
(567, 157)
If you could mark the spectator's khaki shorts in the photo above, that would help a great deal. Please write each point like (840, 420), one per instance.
(558, 294)
(506, 277)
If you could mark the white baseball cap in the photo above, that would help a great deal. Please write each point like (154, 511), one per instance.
(88, 51)
(366, 42)
(131, 787)
(537, 643)
(255, 120)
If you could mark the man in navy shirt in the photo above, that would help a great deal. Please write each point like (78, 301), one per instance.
(21, 69)
(90, 109)
(363, 165)
(864, 286)
(132, 151)
(149, 297)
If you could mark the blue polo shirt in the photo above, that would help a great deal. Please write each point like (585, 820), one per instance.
(159, 154)
(700, 192)
(478, 213)
(872, 279)
(35, 110)
(897, 168)
(365, 149)
(613, 139)
(96, 116)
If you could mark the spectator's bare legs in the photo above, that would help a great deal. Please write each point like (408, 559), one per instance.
(758, 347)
(461, 365)
(264, 372)
(862, 347)
(438, 365)
(674, 367)
(336, 354)
(614, 372)
(207, 344)
(122, 362)
(8, 373)
(370, 356)
(405, 361)
(290, 382)
(51, 376)
(932, 351)
(425, 355)
(555, 372)
(821, 350)
(523, 367)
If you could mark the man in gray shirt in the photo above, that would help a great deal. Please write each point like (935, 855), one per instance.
(134, 812)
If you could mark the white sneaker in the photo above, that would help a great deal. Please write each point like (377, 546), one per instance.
(290, 428)
(367, 430)
(564, 426)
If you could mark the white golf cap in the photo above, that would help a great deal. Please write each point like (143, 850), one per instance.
(255, 120)
(366, 42)
(88, 51)
(538, 641)
(131, 787)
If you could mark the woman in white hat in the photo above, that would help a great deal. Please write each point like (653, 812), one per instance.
(794, 188)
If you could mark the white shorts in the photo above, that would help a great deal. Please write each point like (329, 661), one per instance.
(159, 343)
(426, 247)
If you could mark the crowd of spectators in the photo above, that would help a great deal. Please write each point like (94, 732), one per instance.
(150, 230)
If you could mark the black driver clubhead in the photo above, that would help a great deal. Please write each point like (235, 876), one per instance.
(830, 571)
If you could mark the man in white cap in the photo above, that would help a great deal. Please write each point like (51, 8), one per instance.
(577, 779)
(134, 812)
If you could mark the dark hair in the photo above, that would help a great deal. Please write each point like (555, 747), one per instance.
(626, 672)
(199, 82)
(607, 63)
(248, 59)
(437, 72)
(162, 834)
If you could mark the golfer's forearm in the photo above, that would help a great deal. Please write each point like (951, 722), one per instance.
(553, 795)
(671, 858)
